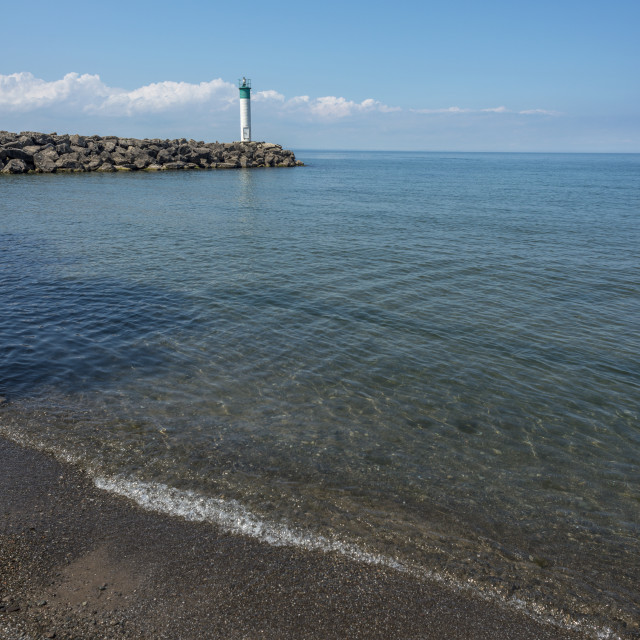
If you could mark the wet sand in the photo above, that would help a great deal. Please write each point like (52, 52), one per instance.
(77, 562)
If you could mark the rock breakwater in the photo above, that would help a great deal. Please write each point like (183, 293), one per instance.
(32, 152)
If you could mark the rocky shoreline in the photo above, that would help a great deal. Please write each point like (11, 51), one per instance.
(33, 152)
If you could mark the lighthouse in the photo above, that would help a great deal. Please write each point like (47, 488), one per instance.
(245, 109)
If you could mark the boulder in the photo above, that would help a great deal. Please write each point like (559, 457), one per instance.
(164, 156)
(81, 151)
(120, 158)
(6, 137)
(175, 165)
(77, 141)
(94, 164)
(69, 162)
(142, 161)
(46, 159)
(15, 154)
(15, 165)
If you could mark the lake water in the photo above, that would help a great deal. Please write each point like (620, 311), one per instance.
(430, 360)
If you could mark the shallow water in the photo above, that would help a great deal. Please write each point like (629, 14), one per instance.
(429, 359)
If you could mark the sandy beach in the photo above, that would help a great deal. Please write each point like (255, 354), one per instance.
(77, 562)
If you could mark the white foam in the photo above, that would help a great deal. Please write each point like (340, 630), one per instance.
(232, 517)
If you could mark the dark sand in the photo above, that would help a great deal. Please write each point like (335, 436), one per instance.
(77, 562)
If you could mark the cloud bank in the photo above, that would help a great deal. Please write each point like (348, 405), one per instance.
(459, 110)
(86, 104)
(89, 95)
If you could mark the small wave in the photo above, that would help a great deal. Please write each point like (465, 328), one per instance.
(231, 517)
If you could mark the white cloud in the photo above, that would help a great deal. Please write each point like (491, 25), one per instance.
(501, 109)
(23, 91)
(334, 108)
(164, 96)
(444, 110)
(535, 112)
(87, 93)
(268, 95)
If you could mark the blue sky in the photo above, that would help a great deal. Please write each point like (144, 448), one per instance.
(468, 76)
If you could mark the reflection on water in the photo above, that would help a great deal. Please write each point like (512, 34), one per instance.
(432, 357)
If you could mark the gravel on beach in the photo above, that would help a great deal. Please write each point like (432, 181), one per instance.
(77, 562)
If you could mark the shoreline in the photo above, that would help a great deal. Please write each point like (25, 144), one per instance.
(76, 561)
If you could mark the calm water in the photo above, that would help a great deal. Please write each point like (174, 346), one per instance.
(429, 360)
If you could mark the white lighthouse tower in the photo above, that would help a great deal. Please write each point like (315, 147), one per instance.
(245, 109)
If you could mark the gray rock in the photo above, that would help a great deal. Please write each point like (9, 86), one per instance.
(46, 159)
(119, 158)
(81, 151)
(94, 164)
(6, 137)
(78, 141)
(15, 165)
(142, 161)
(69, 162)
(164, 156)
(17, 154)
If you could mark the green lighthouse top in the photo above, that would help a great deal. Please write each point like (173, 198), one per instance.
(245, 88)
